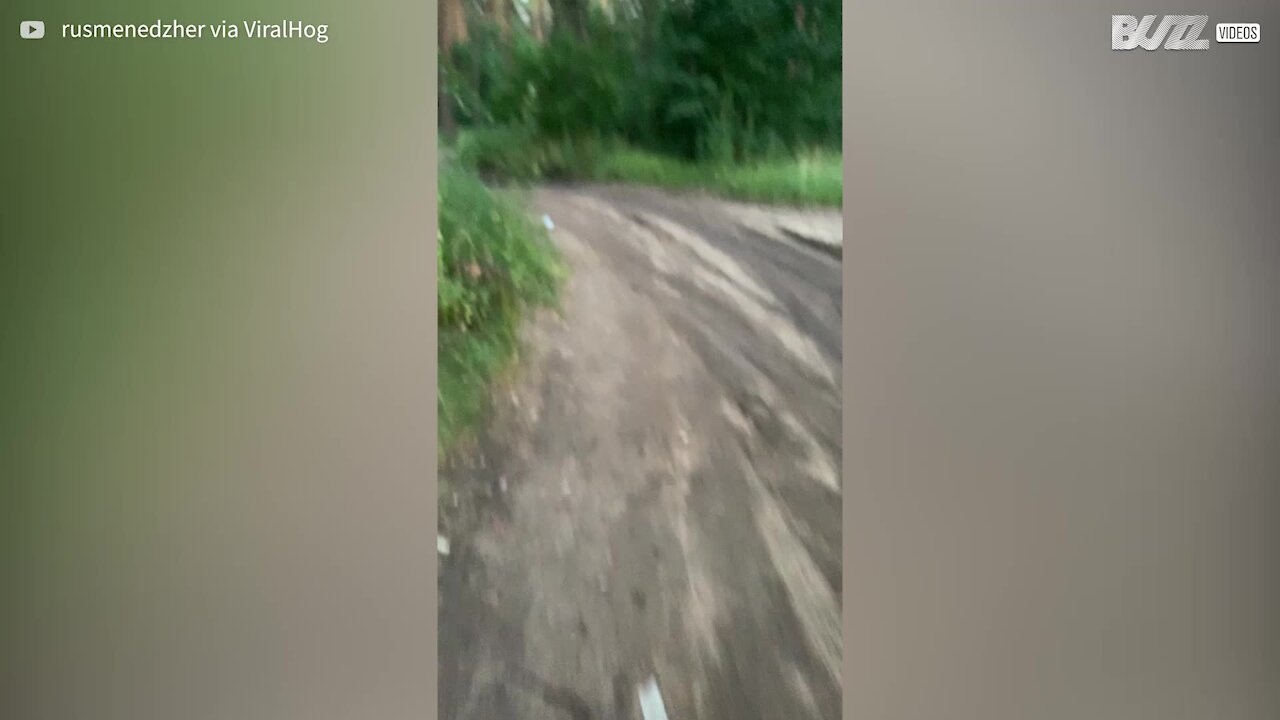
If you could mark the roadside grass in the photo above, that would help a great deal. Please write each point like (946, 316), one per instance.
(811, 179)
(494, 263)
(814, 178)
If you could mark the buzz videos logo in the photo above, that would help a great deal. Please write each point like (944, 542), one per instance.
(1175, 32)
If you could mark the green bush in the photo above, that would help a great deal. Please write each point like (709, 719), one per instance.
(520, 154)
(578, 88)
(506, 151)
(571, 158)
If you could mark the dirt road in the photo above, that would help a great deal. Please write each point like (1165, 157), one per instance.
(658, 493)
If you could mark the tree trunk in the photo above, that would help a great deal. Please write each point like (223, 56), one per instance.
(500, 11)
(453, 23)
(453, 29)
(537, 15)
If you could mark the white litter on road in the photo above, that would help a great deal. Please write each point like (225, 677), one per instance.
(546, 222)
(651, 701)
(442, 544)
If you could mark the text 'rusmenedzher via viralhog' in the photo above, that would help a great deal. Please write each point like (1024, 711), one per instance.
(178, 30)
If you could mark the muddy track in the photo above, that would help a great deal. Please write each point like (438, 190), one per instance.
(658, 493)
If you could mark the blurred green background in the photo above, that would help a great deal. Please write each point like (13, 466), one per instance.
(216, 362)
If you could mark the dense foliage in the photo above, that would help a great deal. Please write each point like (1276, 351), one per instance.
(712, 80)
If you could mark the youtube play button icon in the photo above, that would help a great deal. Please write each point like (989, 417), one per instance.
(31, 29)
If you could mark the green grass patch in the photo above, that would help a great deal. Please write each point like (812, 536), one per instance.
(810, 179)
(510, 153)
(494, 262)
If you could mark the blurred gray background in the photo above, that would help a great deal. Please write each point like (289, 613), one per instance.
(1061, 358)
